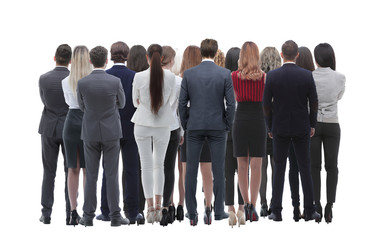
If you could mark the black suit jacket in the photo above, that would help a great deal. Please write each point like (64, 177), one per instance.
(205, 87)
(126, 77)
(288, 93)
(55, 109)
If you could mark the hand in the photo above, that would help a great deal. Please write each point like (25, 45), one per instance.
(181, 140)
(270, 135)
(312, 131)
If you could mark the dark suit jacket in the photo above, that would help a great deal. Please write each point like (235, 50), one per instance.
(55, 109)
(126, 77)
(205, 87)
(100, 95)
(288, 93)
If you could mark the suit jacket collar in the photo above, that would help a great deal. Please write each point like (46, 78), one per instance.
(61, 68)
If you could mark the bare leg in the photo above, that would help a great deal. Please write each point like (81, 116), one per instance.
(181, 182)
(73, 184)
(206, 170)
(255, 178)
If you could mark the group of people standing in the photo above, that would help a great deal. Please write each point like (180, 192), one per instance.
(227, 113)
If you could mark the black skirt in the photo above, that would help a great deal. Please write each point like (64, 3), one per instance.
(72, 138)
(249, 130)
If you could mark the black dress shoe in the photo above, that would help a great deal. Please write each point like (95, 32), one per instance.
(208, 216)
(171, 214)
(45, 220)
(328, 213)
(104, 218)
(116, 222)
(313, 216)
(221, 216)
(318, 208)
(275, 217)
(180, 213)
(86, 221)
(138, 219)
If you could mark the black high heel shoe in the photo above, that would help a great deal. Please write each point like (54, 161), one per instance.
(165, 217)
(253, 214)
(328, 213)
(264, 210)
(180, 213)
(208, 216)
(247, 212)
(74, 220)
(319, 211)
(171, 214)
(296, 214)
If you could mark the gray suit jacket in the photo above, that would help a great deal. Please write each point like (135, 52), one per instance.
(55, 109)
(100, 96)
(205, 87)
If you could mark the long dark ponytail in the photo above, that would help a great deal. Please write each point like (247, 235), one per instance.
(156, 83)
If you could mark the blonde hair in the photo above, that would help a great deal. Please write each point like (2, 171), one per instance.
(219, 58)
(249, 63)
(80, 66)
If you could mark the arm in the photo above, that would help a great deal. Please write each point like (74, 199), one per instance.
(41, 92)
(135, 93)
(230, 102)
(343, 87)
(80, 98)
(313, 103)
(182, 103)
(267, 105)
(121, 97)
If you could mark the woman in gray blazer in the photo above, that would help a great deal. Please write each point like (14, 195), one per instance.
(153, 93)
(330, 89)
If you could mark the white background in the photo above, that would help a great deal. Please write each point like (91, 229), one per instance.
(31, 31)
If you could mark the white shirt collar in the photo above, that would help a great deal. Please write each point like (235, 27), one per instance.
(289, 63)
(99, 69)
(119, 64)
(207, 59)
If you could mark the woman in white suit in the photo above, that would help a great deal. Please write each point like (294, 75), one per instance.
(153, 94)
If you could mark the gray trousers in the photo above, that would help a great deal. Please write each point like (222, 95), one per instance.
(110, 151)
(50, 154)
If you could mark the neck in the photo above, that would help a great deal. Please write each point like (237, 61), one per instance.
(59, 65)
(207, 58)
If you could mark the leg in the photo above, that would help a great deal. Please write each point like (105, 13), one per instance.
(263, 186)
(316, 162)
(205, 168)
(294, 178)
(194, 144)
(230, 169)
(243, 182)
(111, 151)
(92, 151)
(73, 184)
(255, 178)
(104, 204)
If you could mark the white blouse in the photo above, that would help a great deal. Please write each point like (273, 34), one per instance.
(70, 98)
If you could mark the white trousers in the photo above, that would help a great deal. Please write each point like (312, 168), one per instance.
(152, 143)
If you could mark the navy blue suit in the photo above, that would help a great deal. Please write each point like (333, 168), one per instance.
(128, 147)
(288, 93)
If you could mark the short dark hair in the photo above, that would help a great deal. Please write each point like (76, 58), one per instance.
(98, 56)
(119, 52)
(289, 50)
(63, 54)
(325, 56)
(208, 48)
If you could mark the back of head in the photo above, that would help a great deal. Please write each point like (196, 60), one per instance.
(208, 48)
(119, 52)
(177, 63)
(191, 58)
(325, 56)
(136, 60)
(156, 82)
(80, 66)
(231, 59)
(219, 58)
(63, 55)
(270, 59)
(289, 50)
(168, 55)
(305, 59)
(248, 64)
(98, 56)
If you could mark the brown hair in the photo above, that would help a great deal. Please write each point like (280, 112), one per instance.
(98, 56)
(63, 55)
(208, 48)
(156, 83)
(119, 52)
(305, 59)
(191, 58)
(168, 55)
(289, 50)
(219, 58)
(249, 63)
(136, 59)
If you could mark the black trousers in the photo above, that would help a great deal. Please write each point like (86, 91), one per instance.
(294, 181)
(301, 145)
(169, 166)
(328, 136)
(50, 154)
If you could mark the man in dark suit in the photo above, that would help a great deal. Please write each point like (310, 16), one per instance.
(119, 52)
(204, 87)
(51, 128)
(100, 95)
(288, 92)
